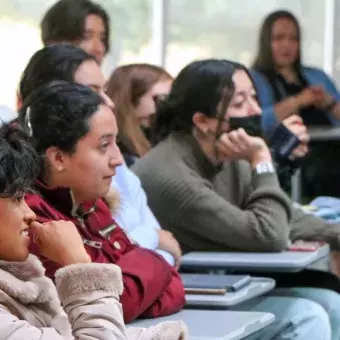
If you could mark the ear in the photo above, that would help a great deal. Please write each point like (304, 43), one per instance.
(56, 158)
(19, 101)
(201, 122)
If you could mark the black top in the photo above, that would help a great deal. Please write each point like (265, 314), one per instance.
(283, 89)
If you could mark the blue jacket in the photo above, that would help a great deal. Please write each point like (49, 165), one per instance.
(265, 93)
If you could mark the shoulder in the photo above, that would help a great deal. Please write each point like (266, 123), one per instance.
(258, 77)
(261, 83)
(41, 207)
(314, 74)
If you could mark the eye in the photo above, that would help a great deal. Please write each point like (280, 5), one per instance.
(238, 104)
(19, 198)
(104, 146)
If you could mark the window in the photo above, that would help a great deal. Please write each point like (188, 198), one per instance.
(20, 37)
(197, 29)
(229, 29)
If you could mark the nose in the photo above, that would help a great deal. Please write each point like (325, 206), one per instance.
(29, 214)
(98, 49)
(116, 159)
(254, 108)
(107, 100)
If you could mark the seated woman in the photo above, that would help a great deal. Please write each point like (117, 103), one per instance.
(135, 89)
(286, 87)
(74, 132)
(30, 304)
(70, 63)
(216, 189)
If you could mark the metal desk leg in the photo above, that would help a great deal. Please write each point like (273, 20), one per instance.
(296, 187)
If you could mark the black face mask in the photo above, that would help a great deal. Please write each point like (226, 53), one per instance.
(250, 124)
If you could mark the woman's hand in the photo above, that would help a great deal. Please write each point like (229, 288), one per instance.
(168, 243)
(308, 96)
(60, 242)
(237, 144)
(295, 125)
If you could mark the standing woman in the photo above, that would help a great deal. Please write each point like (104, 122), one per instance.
(286, 87)
(135, 90)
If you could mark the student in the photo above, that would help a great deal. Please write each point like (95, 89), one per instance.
(82, 22)
(286, 87)
(216, 189)
(135, 89)
(74, 132)
(29, 304)
(284, 325)
(67, 62)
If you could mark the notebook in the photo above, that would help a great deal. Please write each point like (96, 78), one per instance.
(214, 284)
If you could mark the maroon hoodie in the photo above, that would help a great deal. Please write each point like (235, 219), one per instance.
(152, 288)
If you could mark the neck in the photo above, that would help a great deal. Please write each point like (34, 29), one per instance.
(287, 72)
(53, 181)
(207, 146)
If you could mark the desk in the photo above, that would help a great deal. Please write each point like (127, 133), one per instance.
(324, 133)
(320, 134)
(287, 261)
(215, 325)
(258, 286)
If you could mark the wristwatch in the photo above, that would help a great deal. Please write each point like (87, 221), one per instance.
(265, 168)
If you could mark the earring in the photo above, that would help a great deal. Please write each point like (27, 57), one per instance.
(60, 169)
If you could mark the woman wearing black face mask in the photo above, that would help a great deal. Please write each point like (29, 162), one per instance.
(288, 144)
(216, 189)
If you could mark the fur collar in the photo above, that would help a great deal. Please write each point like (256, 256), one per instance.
(26, 282)
(112, 199)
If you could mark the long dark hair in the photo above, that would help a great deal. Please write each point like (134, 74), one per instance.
(264, 61)
(202, 86)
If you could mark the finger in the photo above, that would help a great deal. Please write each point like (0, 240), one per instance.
(36, 226)
(294, 119)
(235, 141)
(304, 138)
(227, 144)
(244, 138)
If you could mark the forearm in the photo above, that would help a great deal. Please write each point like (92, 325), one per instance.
(336, 111)
(308, 227)
(286, 108)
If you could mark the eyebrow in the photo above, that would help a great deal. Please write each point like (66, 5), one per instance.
(242, 92)
(92, 31)
(107, 135)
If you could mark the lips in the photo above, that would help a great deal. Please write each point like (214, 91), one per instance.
(24, 233)
(109, 176)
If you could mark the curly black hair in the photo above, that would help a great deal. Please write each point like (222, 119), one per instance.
(19, 163)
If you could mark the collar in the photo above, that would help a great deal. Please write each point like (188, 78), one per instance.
(62, 199)
(192, 154)
(26, 282)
